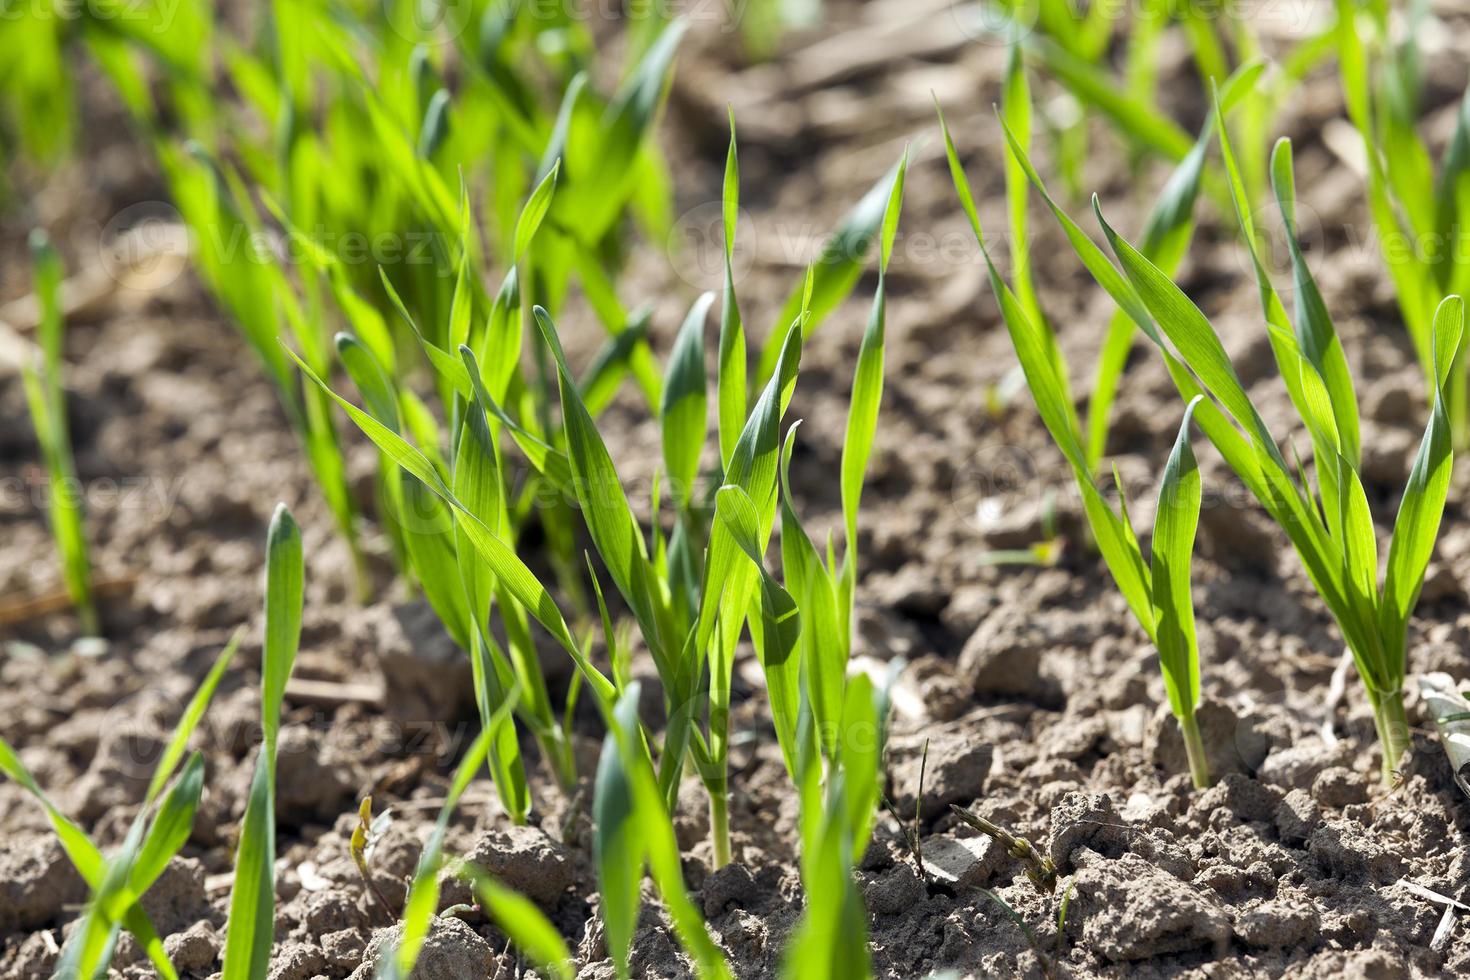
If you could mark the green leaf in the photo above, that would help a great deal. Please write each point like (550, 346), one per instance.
(605, 508)
(655, 832)
(535, 210)
(250, 930)
(1175, 523)
(836, 270)
(524, 923)
(823, 639)
(512, 573)
(780, 620)
(1314, 328)
(867, 382)
(371, 380)
(1422, 508)
(618, 849)
(732, 368)
(423, 895)
(283, 604)
(684, 415)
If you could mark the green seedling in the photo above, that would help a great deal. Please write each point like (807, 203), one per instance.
(1062, 910)
(1158, 593)
(633, 830)
(365, 837)
(250, 928)
(837, 815)
(46, 399)
(1329, 525)
(117, 884)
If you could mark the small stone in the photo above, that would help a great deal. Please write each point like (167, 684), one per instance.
(1440, 583)
(1296, 817)
(691, 819)
(176, 900)
(961, 862)
(1076, 737)
(527, 860)
(1338, 787)
(428, 673)
(312, 780)
(1388, 456)
(1393, 401)
(938, 692)
(297, 961)
(332, 911)
(344, 949)
(1277, 924)
(1239, 538)
(1083, 820)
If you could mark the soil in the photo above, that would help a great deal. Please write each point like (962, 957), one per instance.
(1039, 698)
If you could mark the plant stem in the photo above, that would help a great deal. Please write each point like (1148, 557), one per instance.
(719, 822)
(1393, 730)
(558, 749)
(1194, 748)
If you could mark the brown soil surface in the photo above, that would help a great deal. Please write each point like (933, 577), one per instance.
(1040, 699)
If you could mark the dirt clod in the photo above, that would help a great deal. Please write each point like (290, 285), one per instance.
(1296, 766)
(958, 764)
(36, 883)
(1346, 850)
(1277, 924)
(195, 949)
(1232, 744)
(1003, 656)
(1129, 910)
(1248, 799)
(1297, 816)
(451, 951)
(528, 860)
(1085, 820)
(895, 890)
(730, 885)
(1338, 786)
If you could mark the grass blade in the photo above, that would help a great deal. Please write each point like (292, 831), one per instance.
(250, 929)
